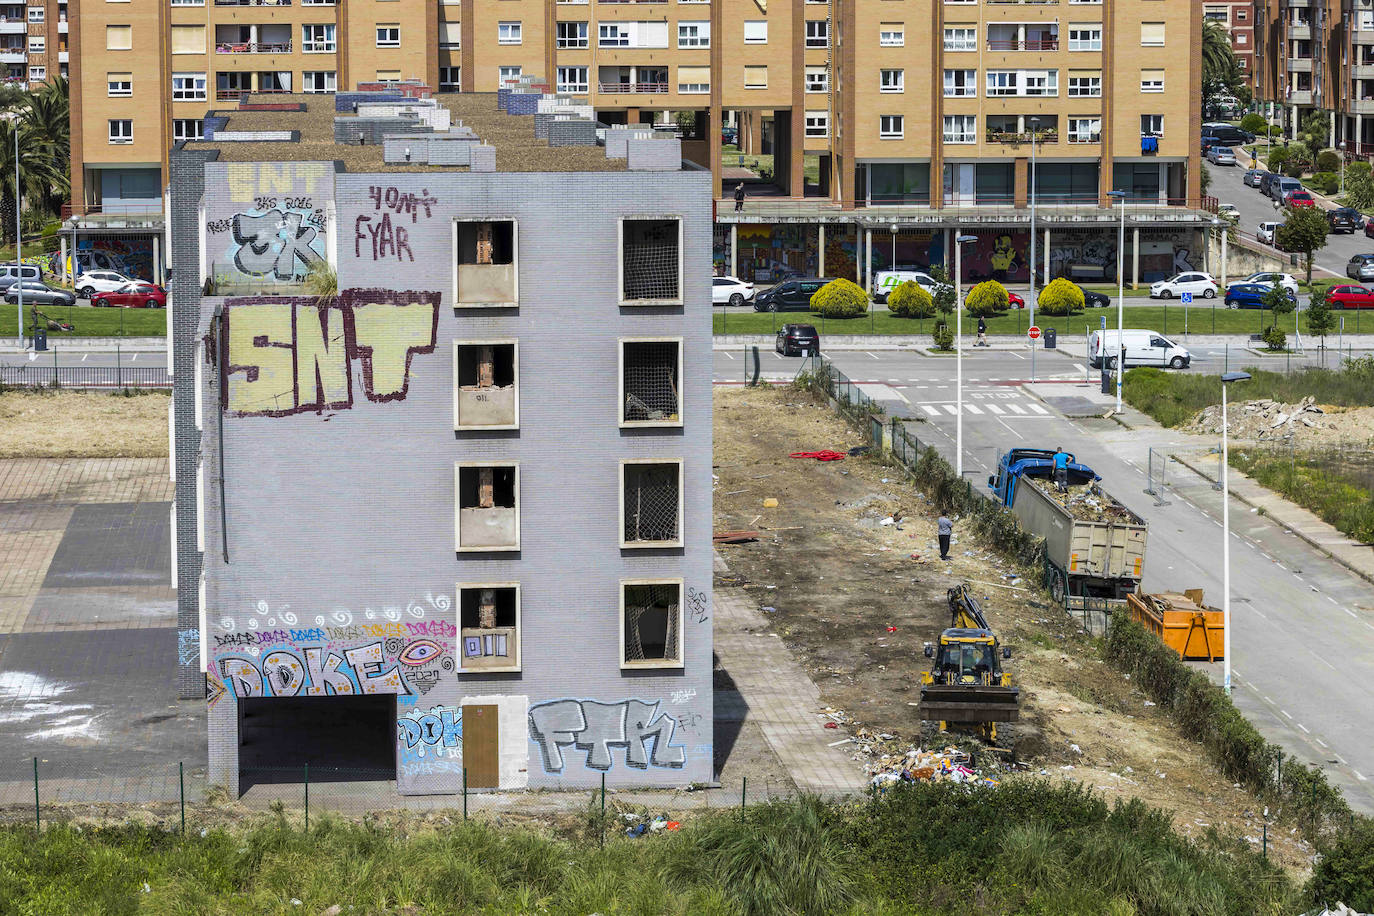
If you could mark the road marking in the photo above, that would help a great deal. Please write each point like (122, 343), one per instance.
(1358, 775)
(870, 355)
(972, 408)
(949, 408)
(993, 409)
(727, 354)
(1304, 728)
(1285, 713)
(930, 410)
(83, 356)
(135, 359)
(1038, 409)
(1321, 742)
(1015, 408)
(33, 356)
(1332, 600)
(1350, 612)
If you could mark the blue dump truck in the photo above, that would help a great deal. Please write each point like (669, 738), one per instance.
(1095, 545)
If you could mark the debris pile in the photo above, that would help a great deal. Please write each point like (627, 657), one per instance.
(638, 824)
(1263, 419)
(888, 765)
(1088, 502)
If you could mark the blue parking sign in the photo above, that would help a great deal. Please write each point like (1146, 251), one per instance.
(1185, 298)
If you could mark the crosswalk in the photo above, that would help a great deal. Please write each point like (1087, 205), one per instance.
(1005, 409)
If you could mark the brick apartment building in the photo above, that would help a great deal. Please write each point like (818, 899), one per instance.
(456, 517)
(867, 113)
(33, 41)
(1238, 18)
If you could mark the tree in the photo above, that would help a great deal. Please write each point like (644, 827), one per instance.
(1328, 160)
(1254, 123)
(942, 336)
(1316, 129)
(945, 297)
(1278, 301)
(46, 115)
(1320, 321)
(38, 165)
(840, 299)
(1359, 187)
(1277, 157)
(1303, 231)
(987, 299)
(1060, 297)
(909, 300)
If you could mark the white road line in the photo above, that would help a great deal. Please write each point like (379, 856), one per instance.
(1285, 713)
(993, 409)
(950, 408)
(33, 356)
(870, 355)
(1321, 742)
(1328, 597)
(1350, 612)
(1016, 408)
(1358, 775)
(930, 410)
(83, 356)
(727, 354)
(1304, 728)
(135, 359)
(972, 408)
(1038, 409)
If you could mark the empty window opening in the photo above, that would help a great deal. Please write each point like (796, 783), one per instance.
(650, 260)
(488, 515)
(652, 380)
(489, 624)
(342, 738)
(486, 380)
(485, 263)
(652, 500)
(652, 624)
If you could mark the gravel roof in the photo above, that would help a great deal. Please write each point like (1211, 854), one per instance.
(517, 150)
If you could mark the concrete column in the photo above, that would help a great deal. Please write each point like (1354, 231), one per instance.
(62, 239)
(1046, 274)
(1223, 260)
(1207, 252)
(820, 249)
(1332, 128)
(734, 249)
(1359, 134)
(157, 260)
(868, 260)
(1135, 258)
(1293, 120)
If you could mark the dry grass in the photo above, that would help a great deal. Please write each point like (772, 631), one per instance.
(78, 424)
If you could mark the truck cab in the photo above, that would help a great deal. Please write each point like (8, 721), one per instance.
(1032, 462)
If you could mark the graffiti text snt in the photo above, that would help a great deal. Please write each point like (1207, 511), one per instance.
(645, 733)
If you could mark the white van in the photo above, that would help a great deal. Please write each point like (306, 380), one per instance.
(888, 280)
(11, 272)
(1143, 348)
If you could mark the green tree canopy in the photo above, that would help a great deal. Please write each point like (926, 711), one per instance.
(987, 299)
(910, 300)
(1060, 297)
(1304, 230)
(945, 296)
(840, 299)
(1254, 122)
(1320, 321)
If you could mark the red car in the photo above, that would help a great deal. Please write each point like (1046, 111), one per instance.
(1350, 297)
(1015, 301)
(132, 296)
(1300, 199)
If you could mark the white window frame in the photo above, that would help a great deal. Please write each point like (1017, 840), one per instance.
(1078, 135)
(1040, 83)
(120, 138)
(38, 74)
(1152, 84)
(576, 87)
(458, 302)
(330, 79)
(961, 38)
(680, 540)
(756, 31)
(177, 123)
(817, 79)
(326, 44)
(967, 132)
(126, 85)
(196, 93)
(38, 44)
(509, 74)
(819, 36)
(1002, 83)
(892, 35)
(891, 127)
(816, 125)
(1153, 43)
(681, 623)
(620, 387)
(510, 32)
(694, 34)
(1091, 42)
(892, 80)
(1144, 131)
(755, 70)
(1092, 83)
(384, 34)
(620, 258)
(458, 467)
(458, 590)
(36, 14)
(512, 342)
(571, 33)
(610, 35)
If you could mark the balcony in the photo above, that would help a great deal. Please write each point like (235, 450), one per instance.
(631, 87)
(1362, 70)
(1299, 65)
(1029, 44)
(254, 47)
(1014, 138)
(1300, 31)
(1359, 106)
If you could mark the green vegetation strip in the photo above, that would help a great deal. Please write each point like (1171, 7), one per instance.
(1173, 399)
(89, 322)
(1322, 481)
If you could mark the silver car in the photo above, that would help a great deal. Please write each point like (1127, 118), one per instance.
(1361, 267)
(1221, 155)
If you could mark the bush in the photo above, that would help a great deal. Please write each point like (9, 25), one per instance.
(1294, 168)
(1345, 871)
(1254, 123)
(1328, 160)
(1274, 338)
(1061, 297)
(943, 337)
(1277, 157)
(987, 299)
(840, 299)
(1357, 169)
(1326, 182)
(910, 300)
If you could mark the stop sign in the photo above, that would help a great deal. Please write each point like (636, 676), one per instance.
(1033, 333)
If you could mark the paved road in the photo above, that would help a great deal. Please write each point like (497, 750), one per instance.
(1303, 636)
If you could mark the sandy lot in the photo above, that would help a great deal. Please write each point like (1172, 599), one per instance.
(832, 580)
(79, 424)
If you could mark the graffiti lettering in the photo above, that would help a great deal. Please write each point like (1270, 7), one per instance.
(432, 628)
(402, 202)
(698, 605)
(219, 225)
(386, 238)
(188, 646)
(270, 243)
(684, 696)
(289, 356)
(597, 728)
(315, 634)
(441, 727)
(284, 673)
(424, 681)
(235, 639)
(428, 765)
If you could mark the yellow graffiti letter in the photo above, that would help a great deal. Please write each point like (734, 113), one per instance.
(386, 337)
(321, 358)
(260, 359)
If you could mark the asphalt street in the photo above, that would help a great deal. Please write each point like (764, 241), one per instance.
(1303, 625)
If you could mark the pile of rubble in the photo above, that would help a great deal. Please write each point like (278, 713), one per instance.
(1088, 502)
(888, 760)
(1263, 419)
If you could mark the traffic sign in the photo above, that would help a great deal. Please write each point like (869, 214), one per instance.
(1033, 333)
(1185, 298)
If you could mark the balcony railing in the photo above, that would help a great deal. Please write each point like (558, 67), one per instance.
(632, 87)
(252, 2)
(1013, 137)
(1024, 2)
(253, 47)
(1085, 138)
(1030, 44)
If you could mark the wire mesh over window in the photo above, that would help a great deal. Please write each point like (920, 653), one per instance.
(650, 259)
(651, 382)
(651, 623)
(651, 503)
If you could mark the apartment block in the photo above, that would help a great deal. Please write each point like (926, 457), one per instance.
(33, 41)
(1237, 17)
(453, 522)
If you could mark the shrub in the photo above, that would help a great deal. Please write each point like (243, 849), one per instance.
(1061, 297)
(987, 299)
(1253, 122)
(1277, 157)
(840, 299)
(1328, 160)
(1357, 169)
(943, 337)
(910, 300)
(1345, 871)
(945, 299)
(1274, 338)
(1294, 168)
(1326, 182)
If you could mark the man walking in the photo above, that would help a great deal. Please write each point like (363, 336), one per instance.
(1061, 471)
(945, 528)
(739, 197)
(982, 332)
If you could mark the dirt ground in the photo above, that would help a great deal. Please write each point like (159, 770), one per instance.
(1306, 423)
(856, 600)
(79, 424)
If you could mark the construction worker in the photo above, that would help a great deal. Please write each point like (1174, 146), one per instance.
(1061, 470)
(945, 529)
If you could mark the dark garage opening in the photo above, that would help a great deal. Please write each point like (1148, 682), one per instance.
(343, 739)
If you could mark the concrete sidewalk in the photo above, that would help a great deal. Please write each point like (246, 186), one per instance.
(1072, 345)
(87, 344)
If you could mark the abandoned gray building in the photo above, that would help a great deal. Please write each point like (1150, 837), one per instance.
(442, 432)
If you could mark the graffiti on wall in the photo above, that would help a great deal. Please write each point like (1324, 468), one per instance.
(188, 646)
(378, 234)
(772, 253)
(276, 223)
(438, 732)
(640, 729)
(313, 672)
(1001, 256)
(290, 355)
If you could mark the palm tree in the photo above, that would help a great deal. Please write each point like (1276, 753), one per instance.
(47, 114)
(1218, 60)
(40, 170)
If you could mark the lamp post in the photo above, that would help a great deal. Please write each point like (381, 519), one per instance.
(893, 265)
(1030, 299)
(1226, 379)
(959, 242)
(1120, 291)
(19, 242)
(1341, 145)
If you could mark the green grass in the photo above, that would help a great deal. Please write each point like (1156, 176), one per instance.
(1336, 486)
(1027, 846)
(90, 322)
(1173, 399)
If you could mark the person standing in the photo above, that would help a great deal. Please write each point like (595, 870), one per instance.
(1061, 470)
(945, 528)
(739, 197)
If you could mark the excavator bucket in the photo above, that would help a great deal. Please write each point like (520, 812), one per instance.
(961, 704)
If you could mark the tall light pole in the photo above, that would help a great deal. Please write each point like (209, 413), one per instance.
(959, 242)
(18, 240)
(1226, 379)
(893, 265)
(1120, 292)
(1030, 299)
(1342, 148)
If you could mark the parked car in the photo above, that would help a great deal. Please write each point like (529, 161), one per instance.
(1095, 300)
(790, 295)
(1229, 211)
(133, 295)
(1249, 295)
(1195, 282)
(1253, 176)
(1221, 155)
(1299, 199)
(1350, 297)
(1280, 187)
(798, 340)
(888, 280)
(1228, 133)
(100, 281)
(1369, 229)
(1269, 278)
(39, 293)
(1014, 301)
(1266, 182)
(11, 272)
(1209, 141)
(1360, 267)
(1344, 219)
(729, 134)
(1143, 348)
(731, 290)
(1266, 232)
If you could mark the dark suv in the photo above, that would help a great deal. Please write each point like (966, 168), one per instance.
(1344, 219)
(798, 340)
(790, 295)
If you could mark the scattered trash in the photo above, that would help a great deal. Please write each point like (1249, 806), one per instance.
(831, 725)
(770, 503)
(824, 455)
(859, 450)
(1076, 749)
(769, 609)
(1149, 703)
(841, 741)
(146, 888)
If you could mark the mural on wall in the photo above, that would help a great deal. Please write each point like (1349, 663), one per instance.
(282, 243)
(767, 253)
(290, 355)
(438, 731)
(919, 248)
(276, 222)
(1000, 256)
(640, 729)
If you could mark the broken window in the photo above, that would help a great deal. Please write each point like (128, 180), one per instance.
(651, 262)
(489, 627)
(651, 503)
(486, 394)
(485, 272)
(488, 507)
(651, 382)
(651, 624)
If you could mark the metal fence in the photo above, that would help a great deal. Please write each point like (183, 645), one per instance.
(38, 375)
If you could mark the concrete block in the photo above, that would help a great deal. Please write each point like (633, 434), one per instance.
(655, 155)
(483, 158)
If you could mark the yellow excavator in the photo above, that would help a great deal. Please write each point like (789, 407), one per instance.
(966, 688)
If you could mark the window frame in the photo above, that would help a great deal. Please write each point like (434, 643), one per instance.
(609, 35)
(815, 133)
(620, 259)
(896, 86)
(388, 42)
(955, 40)
(680, 662)
(1091, 79)
(119, 140)
(514, 343)
(681, 539)
(458, 467)
(700, 33)
(179, 121)
(621, 422)
(120, 94)
(514, 301)
(579, 37)
(574, 88)
(811, 85)
(451, 85)
(755, 39)
(822, 37)
(947, 136)
(518, 655)
(510, 32)
(1152, 85)
(328, 73)
(193, 77)
(1152, 133)
(1093, 45)
(892, 35)
(888, 133)
(310, 45)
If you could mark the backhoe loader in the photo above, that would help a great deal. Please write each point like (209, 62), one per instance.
(966, 688)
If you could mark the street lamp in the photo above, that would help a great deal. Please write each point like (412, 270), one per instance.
(893, 265)
(1226, 379)
(18, 245)
(1030, 299)
(1341, 145)
(959, 242)
(1120, 293)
